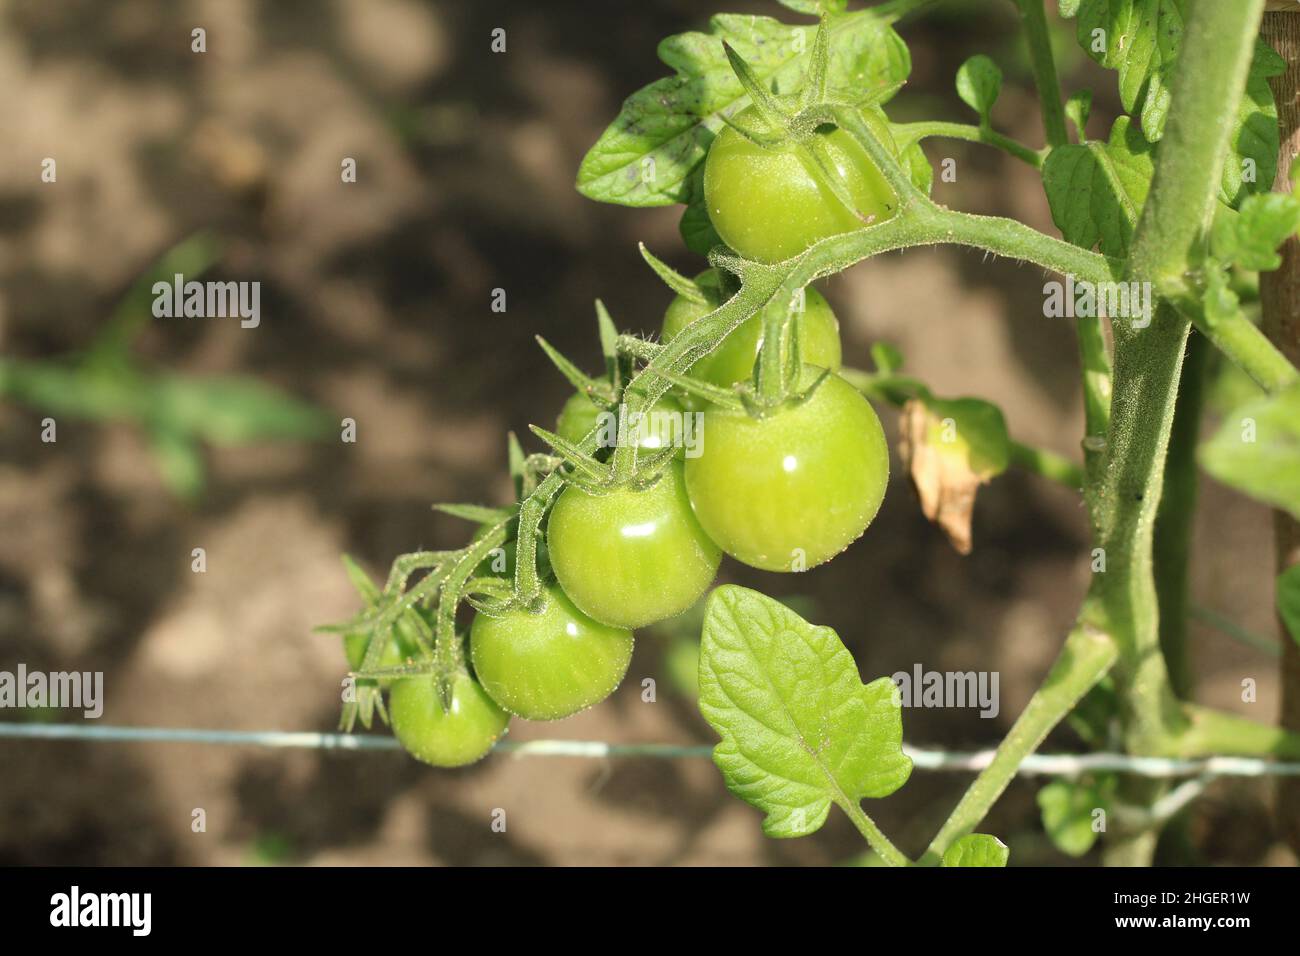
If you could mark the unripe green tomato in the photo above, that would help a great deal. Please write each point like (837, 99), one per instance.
(577, 417)
(550, 663)
(500, 560)
(658, 428)
(794, 489)
(400, 647)
(772, 203)
(733, 361)
(445, 738)
(630, 558)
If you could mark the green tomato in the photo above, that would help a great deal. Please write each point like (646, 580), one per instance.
(630, 558)
(400, 648)
(445, 738)
(549, 663)
(733, 361)
(500, 560)
(578, 416)
(794, 489)
(658, 428)
(772, 203)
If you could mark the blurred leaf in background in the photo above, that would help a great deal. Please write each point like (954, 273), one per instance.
(179, 412)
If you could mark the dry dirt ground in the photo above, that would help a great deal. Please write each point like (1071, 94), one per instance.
(376, 303)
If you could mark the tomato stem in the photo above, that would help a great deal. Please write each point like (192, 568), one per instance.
(1044, 66)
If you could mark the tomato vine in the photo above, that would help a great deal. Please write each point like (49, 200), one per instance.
(1168, 208)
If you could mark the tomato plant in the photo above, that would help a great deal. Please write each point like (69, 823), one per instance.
(791, 170)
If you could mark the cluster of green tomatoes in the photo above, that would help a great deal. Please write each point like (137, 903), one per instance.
(778, 485)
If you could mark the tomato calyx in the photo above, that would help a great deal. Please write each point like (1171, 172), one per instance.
(706, 289)
(796, 122)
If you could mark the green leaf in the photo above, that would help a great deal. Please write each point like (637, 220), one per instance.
(1067, 807)
(478, 514)
(1140, 39)
(109, 392)
(979, 81)
(977, 849)
(361, 581)
(191, 257)
(608, 343)
(918, 167)
(1251, 236)
(1257, 450)
(696, 227)
(233, 410)
(815, 8)
(1078, 108)
(576, 377)
(1069, 8)
(684, 287)
(180, 461)
(518, 463)
(799, 730)
(978, 433)
(1251, 164)
(1095, 715)
(1288, 600)
(1096, 190)
(886, 357)
(647, 155)
(1221, 302)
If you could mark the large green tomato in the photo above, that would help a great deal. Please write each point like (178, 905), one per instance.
(550, 663)
(794, 489)
(733, 361)
(630, 558)
(445, 738)
(772, 203)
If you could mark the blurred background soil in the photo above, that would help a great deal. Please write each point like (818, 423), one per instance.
(376, 305)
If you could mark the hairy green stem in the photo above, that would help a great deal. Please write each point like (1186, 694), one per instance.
(1147, 366)
(1234, 630)
(1206, 89)
(1131, 842)
(1085, 658)
(1095, 361)
(1238, 338)
(907, 133)
(1176, 516)
(1044, 66)
(1208, 81)
(1210, 732)
(1047, 464)
(877, 840)
(1098, 383)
